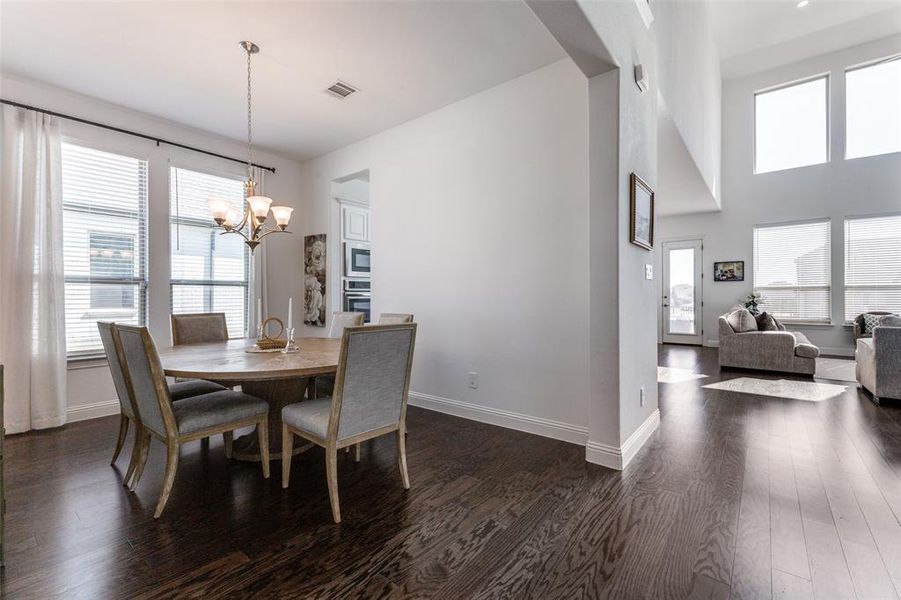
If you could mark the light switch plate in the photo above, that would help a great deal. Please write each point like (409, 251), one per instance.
(649, 271)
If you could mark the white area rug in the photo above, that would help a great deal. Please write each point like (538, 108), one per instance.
(780, 388)
(676, 375)
(838, 369)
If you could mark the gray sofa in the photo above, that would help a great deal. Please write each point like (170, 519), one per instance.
(879, 363)
(742, 346)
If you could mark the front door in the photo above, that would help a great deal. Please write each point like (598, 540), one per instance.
(682, 273)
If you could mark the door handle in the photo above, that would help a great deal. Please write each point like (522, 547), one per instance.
(666, 306)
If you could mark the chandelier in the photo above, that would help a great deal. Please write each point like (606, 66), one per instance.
(257, 207)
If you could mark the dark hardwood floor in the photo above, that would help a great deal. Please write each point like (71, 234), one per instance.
(735, 496)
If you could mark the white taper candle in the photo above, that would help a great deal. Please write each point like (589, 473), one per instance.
(290, 313)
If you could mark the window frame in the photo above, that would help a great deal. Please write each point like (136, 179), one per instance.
(827, 75)
(828, 288)
(143, 228)
(850, 69)
(845, 285)
(172, 220)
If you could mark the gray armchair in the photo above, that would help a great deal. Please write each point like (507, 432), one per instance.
(879, 362)
(860, 329)
(370, 400)
(782, 351)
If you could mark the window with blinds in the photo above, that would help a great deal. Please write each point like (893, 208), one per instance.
(210, 271)
(104, 243)
(872, 265)
(792, 270)
(791, 126)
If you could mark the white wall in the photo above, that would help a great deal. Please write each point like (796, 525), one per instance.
(619, 26)
(834, 189)
(479, 215)
(688, 68)
(90, 389)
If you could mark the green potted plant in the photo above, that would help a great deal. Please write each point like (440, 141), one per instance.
(752, 303)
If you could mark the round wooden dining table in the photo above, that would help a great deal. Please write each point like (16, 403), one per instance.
(279, 379)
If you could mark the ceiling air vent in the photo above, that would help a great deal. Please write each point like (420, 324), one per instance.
(340, 90)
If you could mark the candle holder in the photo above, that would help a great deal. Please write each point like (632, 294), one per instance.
(290, 346)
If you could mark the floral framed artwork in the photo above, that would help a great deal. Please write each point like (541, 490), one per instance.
(314, 280)
(641, 221)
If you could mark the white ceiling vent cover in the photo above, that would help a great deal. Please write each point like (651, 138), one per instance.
(341, 90)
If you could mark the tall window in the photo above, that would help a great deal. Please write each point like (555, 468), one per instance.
(872, 265)
(791, 126)
(792, 271)
(104, 243)
(873, 109)
(209, 270)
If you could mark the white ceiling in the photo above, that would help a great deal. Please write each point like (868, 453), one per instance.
(755, 35)
(181, 60)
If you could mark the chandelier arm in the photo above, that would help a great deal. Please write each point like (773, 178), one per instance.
(268, 231)
(238, 231)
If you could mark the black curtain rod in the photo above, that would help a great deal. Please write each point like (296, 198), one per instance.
(133, 133)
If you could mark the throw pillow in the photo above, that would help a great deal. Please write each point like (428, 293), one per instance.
(742, 321)
(890, 321)
(870, 322)
(766, 322)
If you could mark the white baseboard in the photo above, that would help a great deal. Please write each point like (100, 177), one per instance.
(484, 414)
(619, 457)
(95, 410)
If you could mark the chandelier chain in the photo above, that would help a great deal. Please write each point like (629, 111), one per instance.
(249, 121)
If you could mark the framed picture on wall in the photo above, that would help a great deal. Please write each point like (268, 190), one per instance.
(641, 223)
(733, 270)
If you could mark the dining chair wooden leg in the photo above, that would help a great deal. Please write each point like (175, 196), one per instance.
(402, 457)
(123, 431)
(287, 450)
(169, 478)
(135, 455)
(205, 443)
(357, 452)
(331, 470)
(263, 429)
(228, 437)
(141, 460)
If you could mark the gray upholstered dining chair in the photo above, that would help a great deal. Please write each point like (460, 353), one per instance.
(324, 384)
(198, 328)
(341, 320)
(370, 400)
(395, 318)
(122, 384)
(175, 423)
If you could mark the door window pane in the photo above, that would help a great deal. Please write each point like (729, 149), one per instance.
(682, 291)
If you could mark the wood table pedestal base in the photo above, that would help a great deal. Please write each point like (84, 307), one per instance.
(277, 394)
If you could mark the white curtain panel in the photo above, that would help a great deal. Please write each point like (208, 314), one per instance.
(32, 285)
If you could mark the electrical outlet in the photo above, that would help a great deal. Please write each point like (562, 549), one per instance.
(474, 380)
(649, 271)
(640, 396)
